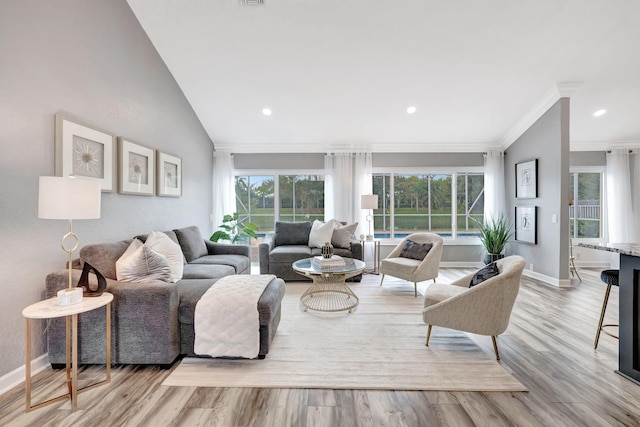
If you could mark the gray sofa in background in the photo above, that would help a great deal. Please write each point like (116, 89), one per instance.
(289, 243)
(152, 323)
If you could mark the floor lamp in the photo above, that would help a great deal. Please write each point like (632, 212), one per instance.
(69, 198)
(369, 201)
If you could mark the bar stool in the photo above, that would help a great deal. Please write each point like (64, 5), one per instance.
(610, 277)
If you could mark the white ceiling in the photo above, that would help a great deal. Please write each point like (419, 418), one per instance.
(339, 74)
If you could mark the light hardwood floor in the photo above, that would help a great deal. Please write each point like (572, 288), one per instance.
(548, 347)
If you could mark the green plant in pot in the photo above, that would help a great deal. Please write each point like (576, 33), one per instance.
(234, 230)
(494, 235)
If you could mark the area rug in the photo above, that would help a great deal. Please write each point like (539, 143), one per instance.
(378, 346)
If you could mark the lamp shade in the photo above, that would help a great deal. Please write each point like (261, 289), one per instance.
(68, 198)
(369, 201)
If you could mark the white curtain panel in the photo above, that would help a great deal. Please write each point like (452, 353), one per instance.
(494, 194)
(348, 176)
(619, 205)
(224, 188)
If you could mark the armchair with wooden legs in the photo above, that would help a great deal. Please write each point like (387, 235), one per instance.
(483, 309)
(414, 270)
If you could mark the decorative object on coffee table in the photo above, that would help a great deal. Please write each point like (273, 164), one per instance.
(69, 198)
(327, 250)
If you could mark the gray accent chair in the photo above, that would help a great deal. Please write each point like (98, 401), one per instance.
(152, 323)
(483, 309)
(289, 243)
(410, 269)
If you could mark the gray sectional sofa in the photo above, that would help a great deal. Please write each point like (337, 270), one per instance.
(289, 243)
(152, 323)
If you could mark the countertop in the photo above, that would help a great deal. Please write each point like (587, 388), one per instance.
(632, 249)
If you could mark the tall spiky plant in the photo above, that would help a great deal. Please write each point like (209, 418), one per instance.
(495, 233)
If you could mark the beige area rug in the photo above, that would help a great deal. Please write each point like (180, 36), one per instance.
(379, 346)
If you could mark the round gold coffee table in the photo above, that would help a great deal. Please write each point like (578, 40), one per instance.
(329, 292)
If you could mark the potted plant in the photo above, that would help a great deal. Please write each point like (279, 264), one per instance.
(494, 235)
(233, 230)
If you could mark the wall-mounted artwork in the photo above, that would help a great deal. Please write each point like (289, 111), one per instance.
(527, 179)
(84, 151)
(526, 224)
(169, 175)
(136, 168)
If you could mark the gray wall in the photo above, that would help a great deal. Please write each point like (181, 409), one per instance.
(427, 159)
(548, 141)
(588, 158)
(91, 60)
(275, 161)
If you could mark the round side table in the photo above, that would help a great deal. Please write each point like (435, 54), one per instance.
(49, 309)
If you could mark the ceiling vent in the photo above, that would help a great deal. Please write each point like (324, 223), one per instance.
(251, 2)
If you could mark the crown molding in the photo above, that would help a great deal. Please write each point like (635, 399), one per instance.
(375, 147)
(558, 91)
(603, 145)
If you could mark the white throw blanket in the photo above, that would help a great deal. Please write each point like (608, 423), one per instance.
(226, 319)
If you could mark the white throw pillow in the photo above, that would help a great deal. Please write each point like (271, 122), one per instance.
(343, 235)
(139, 263)
(321, 233)
(161, 243)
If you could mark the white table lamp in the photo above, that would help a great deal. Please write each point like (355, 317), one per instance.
(69, 198)
(369, 201)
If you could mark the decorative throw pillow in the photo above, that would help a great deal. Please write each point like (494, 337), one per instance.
(415, 250)
(292, 233)
(320, 233)
(343, 235)
(141, 264)
(162, 244)
(486, 272)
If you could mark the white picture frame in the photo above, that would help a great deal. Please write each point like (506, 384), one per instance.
(526, 221)
(136, 167)
(169, 179)
(85, 151)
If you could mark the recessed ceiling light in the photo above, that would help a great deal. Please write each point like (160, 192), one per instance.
(411, 110)
(599, 113)
(266, 111)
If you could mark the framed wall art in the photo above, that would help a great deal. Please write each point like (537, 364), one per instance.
(85, 151)
(169, 175)
(526, 224)
(527, 179)
(136, 168)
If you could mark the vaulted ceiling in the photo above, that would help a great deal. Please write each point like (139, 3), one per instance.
(340, 74)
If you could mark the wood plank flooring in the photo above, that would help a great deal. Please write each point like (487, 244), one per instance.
(548, 347)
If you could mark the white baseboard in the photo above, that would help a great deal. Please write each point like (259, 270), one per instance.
(17, 376)
(560, 283)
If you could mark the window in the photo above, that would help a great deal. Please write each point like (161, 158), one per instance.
(424, 202)
(470, 203)
(301, 197)
(585, 208)
(255, 197)
(265, 199)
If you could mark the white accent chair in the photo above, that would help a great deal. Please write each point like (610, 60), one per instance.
(411, 269)
(483, 309)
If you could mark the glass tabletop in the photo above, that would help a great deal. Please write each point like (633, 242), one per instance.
(350, 266)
